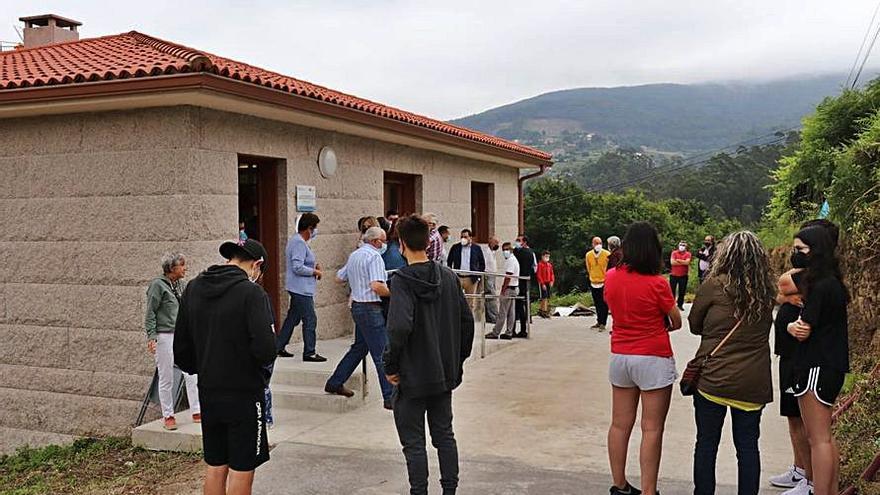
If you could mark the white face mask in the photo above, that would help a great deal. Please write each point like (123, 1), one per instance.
(546, 258)
(517, 244)
(465, 242)
(507, 254)
(597, 248)
(682, 248)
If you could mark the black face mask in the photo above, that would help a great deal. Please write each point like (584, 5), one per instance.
(799, 260)
(494, 248)
(707, 244)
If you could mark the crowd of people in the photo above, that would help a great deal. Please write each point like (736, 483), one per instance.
(733, 314)
(413, 318)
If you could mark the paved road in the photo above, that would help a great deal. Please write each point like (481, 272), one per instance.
(530, 419)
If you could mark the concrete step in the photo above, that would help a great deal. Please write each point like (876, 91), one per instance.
(312, 378)
(305, 398)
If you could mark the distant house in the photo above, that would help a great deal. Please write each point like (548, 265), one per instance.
(116, 149)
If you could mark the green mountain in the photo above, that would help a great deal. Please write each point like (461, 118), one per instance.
(682, 118)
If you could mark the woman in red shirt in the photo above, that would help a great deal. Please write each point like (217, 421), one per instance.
(642, 367)
(546, 279)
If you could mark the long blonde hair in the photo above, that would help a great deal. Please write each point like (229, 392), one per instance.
(749, 281)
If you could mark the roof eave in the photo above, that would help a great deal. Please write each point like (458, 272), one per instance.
(211, 82)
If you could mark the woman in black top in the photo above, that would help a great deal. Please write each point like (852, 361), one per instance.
(821, 357)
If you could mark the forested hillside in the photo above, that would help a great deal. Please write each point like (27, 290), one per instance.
(666, 117)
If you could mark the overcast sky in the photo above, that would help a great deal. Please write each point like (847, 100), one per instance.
(449, 59)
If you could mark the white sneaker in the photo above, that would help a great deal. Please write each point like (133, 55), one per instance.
(788, 479)
(804, 487)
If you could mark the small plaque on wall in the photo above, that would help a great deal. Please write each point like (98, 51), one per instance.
(305, 198)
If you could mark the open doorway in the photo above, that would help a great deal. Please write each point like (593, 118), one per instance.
(258, 191)
(402, 192)
(482, 211)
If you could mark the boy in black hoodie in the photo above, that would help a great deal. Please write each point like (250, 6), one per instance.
(224, 332)
(430, 333)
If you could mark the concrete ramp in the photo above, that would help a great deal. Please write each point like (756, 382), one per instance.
(299, 402)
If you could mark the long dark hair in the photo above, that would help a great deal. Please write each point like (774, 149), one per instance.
(822, 259)
(642, 251)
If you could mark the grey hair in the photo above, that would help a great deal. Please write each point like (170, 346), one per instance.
(614, 242)
(373, 233)
(430, 217)
(171, 260)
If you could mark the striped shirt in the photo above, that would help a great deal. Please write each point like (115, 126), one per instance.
(364, 266)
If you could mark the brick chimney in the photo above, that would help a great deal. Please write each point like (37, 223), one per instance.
(48, 29)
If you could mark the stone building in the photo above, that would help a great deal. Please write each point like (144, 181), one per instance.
(116, 149)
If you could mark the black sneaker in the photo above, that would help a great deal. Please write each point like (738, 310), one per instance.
(506, 336)
(629, 490)
(283, 353)
(314, 358)
(491, 336)
(521, 335)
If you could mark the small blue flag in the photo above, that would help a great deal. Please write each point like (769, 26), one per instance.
(824, 210)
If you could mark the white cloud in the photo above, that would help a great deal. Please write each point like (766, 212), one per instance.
(448, 59)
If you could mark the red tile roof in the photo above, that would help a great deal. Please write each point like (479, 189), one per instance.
(136, 55)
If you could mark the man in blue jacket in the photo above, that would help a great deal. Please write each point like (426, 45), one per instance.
(430, 335)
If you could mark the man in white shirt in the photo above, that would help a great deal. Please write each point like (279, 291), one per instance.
(509, 290)
(489, 251)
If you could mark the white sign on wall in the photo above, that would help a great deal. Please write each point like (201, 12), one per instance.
(306, 198)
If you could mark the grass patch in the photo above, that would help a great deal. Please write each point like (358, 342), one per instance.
(92, 466)
(858, 433)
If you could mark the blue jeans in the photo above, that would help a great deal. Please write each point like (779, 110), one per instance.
(746, 431)
(302, 309)
(370, 337)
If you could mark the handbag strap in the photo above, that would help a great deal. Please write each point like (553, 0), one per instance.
(725, 339)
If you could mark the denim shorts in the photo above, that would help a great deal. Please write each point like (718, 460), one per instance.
(642, 372)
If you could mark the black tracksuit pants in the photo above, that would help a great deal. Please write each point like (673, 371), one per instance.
(409, 417)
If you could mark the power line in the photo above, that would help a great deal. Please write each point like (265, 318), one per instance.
(708, 154)
(862, 46)
(666, 170)
(865, 58)
(649, 176)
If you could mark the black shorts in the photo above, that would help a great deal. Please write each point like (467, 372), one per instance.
(788, 403)
(825, 383)
(234, 431)
(545, 291)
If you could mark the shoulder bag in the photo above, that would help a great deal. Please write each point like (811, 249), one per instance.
(691, 375)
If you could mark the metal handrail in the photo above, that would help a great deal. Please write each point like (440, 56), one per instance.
(483, 297)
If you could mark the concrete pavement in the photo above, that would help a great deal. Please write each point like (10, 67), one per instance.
(531, 418)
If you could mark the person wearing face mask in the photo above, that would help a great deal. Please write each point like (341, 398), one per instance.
(466, 255)
(302, 276)
(163, 302)
(680, 263)
(435, 246)
(790, 299)
(509, 290)
(528, 263)
(821, 356)
(597, 264)
(706, 254)
(224, 333)
(489, 252)
(546, 279)
(365, 273)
